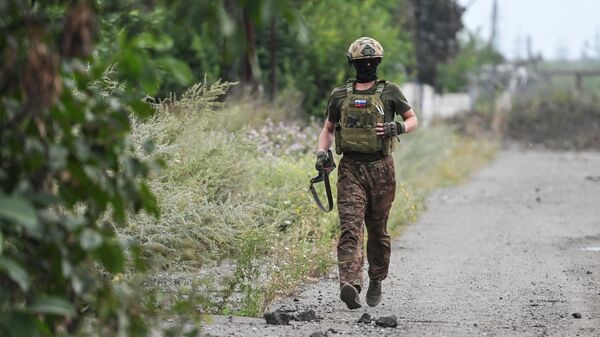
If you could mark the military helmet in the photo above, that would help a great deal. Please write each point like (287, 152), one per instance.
(364, 48)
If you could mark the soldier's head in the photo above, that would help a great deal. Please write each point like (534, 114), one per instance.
(365, 54)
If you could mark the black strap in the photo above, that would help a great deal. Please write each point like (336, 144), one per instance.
(324, 177)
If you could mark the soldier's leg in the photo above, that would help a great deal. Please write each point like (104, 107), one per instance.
(382, 190)
(351, 208)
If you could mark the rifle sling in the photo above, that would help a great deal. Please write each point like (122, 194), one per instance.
(323, 176)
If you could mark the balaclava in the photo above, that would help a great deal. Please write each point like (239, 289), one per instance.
(366, 69)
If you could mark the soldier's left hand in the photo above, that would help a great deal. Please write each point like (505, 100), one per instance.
(322, 161)
(389, 129)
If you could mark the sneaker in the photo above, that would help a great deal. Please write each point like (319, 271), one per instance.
(349, 295)
(374, 293)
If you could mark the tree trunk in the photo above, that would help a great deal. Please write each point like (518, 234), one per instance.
(227, 71)
(249, 62)
(273, 54)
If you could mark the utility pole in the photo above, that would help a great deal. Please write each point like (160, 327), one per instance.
(529, 48)
(494, 30)
(518, 43)
(497, 115)
(597, 45)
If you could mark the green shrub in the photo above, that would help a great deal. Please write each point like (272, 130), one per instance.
(67, 174)
(557, 119)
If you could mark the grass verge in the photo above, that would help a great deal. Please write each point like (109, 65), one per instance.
(556, 118)
(542, 115)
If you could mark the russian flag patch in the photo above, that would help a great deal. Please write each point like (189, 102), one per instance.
(360, 103)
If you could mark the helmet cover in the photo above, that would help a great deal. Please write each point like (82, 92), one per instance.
(364, 48)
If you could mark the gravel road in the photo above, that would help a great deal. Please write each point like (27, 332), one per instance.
(513, 252)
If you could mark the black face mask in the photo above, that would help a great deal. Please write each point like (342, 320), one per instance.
(366, 69)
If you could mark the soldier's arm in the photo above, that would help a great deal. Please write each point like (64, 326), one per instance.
(326, 136)
(400, 105)
(410, 120)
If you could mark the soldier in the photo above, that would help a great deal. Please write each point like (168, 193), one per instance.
(361, 116)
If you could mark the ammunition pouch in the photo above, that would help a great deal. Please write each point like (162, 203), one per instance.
(338, 138)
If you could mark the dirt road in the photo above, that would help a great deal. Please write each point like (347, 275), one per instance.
(514, 252)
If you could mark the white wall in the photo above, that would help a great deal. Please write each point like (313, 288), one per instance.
(429, 105)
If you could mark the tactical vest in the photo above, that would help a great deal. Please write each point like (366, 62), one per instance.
(355, 132)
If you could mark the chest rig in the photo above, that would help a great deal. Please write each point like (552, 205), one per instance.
(359, 113)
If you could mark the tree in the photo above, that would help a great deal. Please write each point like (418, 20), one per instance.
(233, 26)
(67, 174)
(454, 75)
(292, 44)
(435, 25)
(318, 66)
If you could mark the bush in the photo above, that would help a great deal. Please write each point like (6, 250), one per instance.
(67, 174)
(557, 119)
(237, 195)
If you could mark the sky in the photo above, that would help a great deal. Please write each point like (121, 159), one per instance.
(558, 29)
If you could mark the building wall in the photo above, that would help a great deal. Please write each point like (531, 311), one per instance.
(429, 105)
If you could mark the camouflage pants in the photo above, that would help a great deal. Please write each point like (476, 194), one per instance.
(366, 191)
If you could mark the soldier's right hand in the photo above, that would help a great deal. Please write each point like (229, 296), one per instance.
(322, 160)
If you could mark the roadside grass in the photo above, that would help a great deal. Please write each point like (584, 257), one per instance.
(544, 115)
(557, 118)
(238, 227)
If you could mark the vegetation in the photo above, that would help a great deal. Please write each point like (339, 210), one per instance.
(556, 118)
(291, 46)
(473, 56)
(67, 178)
(288, 46)
(435, 25)
(232, 195)
(544, 105)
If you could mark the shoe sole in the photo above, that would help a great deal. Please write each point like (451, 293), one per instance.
(348, 295)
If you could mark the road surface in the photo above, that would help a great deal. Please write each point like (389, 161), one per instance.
(513, 252)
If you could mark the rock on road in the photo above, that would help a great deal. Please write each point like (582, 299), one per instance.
(513, 252)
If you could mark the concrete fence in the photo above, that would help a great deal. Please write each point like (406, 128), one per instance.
(429, 105)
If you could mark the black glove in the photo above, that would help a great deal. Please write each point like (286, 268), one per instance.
(322, 160)
(393, 129)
